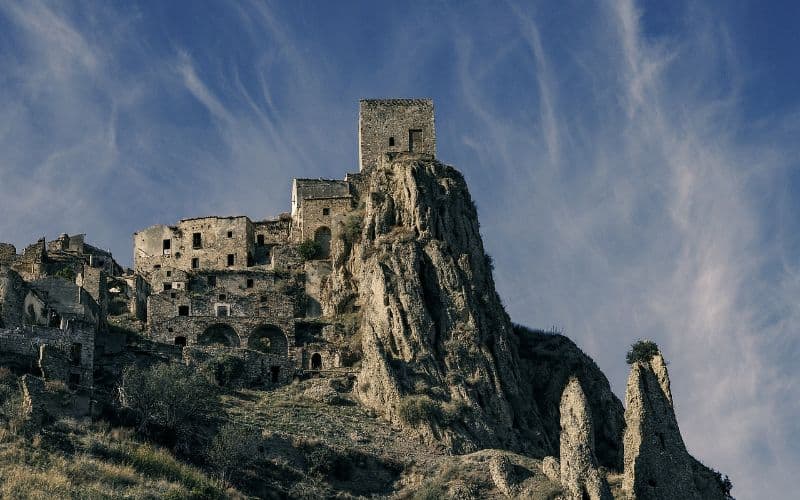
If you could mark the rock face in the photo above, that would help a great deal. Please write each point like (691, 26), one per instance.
(432, 323)
(547, 362)
(579, 474)
(657, 465)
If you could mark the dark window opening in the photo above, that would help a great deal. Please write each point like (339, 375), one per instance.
(181, 341)
(263, 299)
(249, 259)
(391, 141)
(231, 259)
(169, 273)
(250, 283)
(75, 354)
(212, 281)
(55, 320)
(275, 373)
(195, 263)
(222, 311)
(167, 244)
(260, 240)
(74, 380)
(414, 139)
(326, 211)
(222, 296)
(183, 310)
(230, 234)
(157, 266)
(173, 295)
(170, 329)
(167, 286)
(316, 361)
(197, 240)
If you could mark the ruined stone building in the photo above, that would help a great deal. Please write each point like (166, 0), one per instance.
(243, 283)
(252, 287)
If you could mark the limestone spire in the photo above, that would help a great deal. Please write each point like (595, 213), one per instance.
(579, 473)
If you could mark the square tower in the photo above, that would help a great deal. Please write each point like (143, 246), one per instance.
(394, 125)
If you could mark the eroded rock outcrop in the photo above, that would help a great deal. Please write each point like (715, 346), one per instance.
(657, 465)
(579, 473)
(432, 323)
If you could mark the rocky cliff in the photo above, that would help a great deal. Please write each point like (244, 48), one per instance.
(441, 357)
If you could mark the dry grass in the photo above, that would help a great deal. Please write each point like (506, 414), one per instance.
(92, 461)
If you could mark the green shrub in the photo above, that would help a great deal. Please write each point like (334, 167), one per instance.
(416, 409)
(66, 273)
(309, 249)
(234, 447)
(351, 228)
(166, 397)
(641, 350)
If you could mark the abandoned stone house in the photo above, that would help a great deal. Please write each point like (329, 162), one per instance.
(53, 305)
(205, 282)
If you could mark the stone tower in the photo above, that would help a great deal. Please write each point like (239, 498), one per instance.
(394, 126)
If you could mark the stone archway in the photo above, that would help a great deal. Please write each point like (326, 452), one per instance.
(322, 236)
(269, 339)
(220, 334)
(316, 361)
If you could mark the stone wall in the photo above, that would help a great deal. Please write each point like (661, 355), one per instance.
(66, 355)
(219, 237)
(8, 253)
(304, 189)
(258, 368)
(316, 213)
(385, 126)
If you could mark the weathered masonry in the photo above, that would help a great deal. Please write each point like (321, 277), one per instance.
(253, 288)
(391, 126)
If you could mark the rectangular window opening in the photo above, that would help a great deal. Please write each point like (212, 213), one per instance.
(260, 240)
(231, 259)
(250, 283)
(391, 141)
(167, 286)
(326, 211)
(222, 311)
(197, 240)
(195, 263)
(183, 310)
(414, 139)
(230, 234)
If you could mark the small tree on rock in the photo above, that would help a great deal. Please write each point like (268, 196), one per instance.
(641, 350)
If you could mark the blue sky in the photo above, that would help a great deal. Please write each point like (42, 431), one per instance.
(635, 164)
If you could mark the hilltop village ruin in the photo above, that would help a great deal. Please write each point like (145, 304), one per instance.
(253, 287)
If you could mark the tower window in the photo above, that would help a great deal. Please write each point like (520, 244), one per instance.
(167, 286)
(183, 310)
(326, 211)
(391, 141)
(169, 273)
(166, 245)
(230, 234)
(197, 240)
(414, 139)
(195, 263)
(250, 283)
(231, 259)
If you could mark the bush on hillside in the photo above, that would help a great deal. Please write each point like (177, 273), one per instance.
(165, 398)
(234, 447)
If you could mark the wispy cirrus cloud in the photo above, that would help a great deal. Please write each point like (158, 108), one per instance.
(624, 188)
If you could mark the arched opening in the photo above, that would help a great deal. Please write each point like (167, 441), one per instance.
(269, 339)
(180, 340)
(316, 361)
(219, 334)
(322, 236)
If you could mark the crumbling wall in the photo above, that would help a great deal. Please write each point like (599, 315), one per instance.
(8, 253)
(256, 369)
(385, 126)
(316, 213)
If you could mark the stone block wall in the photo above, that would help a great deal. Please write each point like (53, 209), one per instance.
(316, 213)
(386, 125)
